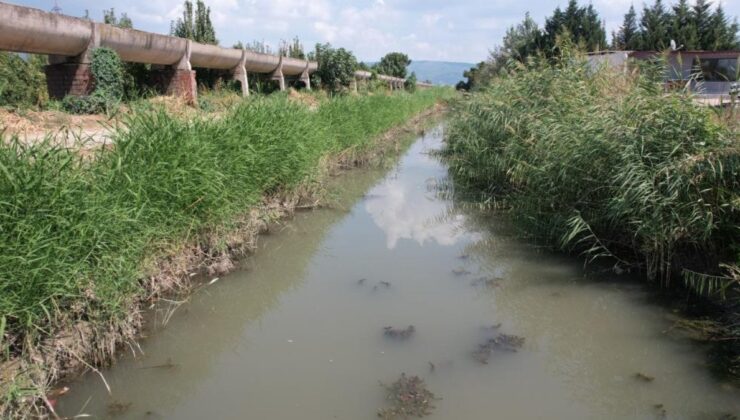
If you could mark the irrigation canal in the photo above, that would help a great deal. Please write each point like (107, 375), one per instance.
(298, 331)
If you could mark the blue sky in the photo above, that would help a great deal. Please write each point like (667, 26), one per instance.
(449, 30)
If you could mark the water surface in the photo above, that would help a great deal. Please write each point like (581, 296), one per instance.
(296, 333)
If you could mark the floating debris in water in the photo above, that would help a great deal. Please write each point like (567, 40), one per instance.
(117, 408)
(409, 397)
(399, 333)
(645, 378)
(502, 342)
(432, 367)
(361, 281)
(463, 257)
(461, 272)
(385, 284)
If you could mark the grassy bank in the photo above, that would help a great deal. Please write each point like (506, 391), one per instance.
(86, 238)
(607, 164)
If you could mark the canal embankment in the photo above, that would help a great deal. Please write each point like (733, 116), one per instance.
(93, 239)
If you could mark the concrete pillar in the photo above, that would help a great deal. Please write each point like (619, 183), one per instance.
(179, 79)
(278, 75)
(306, 77)
(240, 74)
(353, 84)
(72, 75)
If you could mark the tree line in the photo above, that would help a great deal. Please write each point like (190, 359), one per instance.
(696, 26)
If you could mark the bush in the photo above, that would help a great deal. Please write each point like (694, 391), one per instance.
(336, 68)
(22, 81)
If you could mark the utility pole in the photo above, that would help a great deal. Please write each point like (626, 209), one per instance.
(56, 9)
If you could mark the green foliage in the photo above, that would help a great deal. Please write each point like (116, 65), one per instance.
(336, 67)
(78, 232)
(196, 26)
(107, 69)
(22, 82)
(293, 49)
(109, 17)
(600, 163)
(581, 24)
(654, 26)
(94, 103)
(628, 36)
(394, 64)
(410, 83)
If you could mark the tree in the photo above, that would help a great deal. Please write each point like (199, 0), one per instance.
(336, 67)
(628, 36)
(522, 40)
(198, 26)
(410, 83)
(394, 64)
(702, 21)
(724, 33)
(293, 49)
(654, 27)
(681, 28)
(582, 24)
(109, 17)
(259, 47)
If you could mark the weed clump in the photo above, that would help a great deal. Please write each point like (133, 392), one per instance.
(409, 397)
(501, 342)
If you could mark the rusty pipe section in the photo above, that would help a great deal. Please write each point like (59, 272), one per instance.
(24, 29)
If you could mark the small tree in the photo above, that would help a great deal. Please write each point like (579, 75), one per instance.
(336, 67)
(394, 64)
(410, 83)
(293, 49)
(109, 17)
(195, 25)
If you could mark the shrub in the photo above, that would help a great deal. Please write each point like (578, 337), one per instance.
(22, 81)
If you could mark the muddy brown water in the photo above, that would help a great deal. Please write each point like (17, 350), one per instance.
(296, 334)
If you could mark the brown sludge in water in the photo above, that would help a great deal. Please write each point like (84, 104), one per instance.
(409, 397)
(503, 342)
(117, 408)
(399, 333)
(645, 378)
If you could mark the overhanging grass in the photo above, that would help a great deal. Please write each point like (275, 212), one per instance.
(76, 231)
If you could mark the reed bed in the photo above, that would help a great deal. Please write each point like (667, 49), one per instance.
(79, 232)
(610, 165)
(607, 164)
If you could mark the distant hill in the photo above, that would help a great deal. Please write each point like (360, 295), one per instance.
(439, 72)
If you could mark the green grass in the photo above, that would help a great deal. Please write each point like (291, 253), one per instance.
(78, 232)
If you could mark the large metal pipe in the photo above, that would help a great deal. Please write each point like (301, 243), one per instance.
(142, 47)
(23, 29)
(214, 57)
